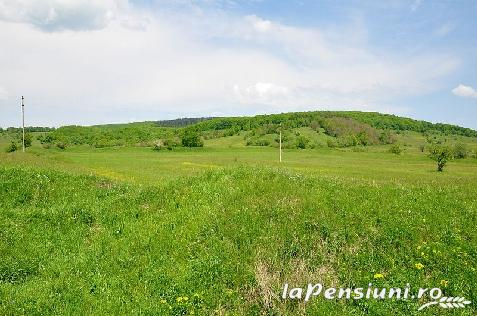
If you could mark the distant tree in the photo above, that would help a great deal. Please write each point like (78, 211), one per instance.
(315, 125)
(191, 138)
(362, 138)
(302, 142)
(45, 139)
(441, 154)
(460, 151)
(12, 147)
(386, 137)
(331, 143)
(28, 139)
(395, 149)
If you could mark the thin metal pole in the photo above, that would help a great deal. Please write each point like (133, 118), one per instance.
(23, 123)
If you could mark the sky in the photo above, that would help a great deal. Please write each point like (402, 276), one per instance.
(109, 61)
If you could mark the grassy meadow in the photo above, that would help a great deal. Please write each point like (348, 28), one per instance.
(218, 230)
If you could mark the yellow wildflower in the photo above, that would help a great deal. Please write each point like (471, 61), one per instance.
(379, 276)
(444, 283)
(419, 266)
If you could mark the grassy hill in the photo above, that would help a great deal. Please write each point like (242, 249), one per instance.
(299, 130)
(219, 229)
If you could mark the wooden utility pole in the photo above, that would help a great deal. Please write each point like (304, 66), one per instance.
(23, 124)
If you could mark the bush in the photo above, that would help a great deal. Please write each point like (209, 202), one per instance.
(158, 146)
(191, 138)
(45, 139)
(262, 142)
(61, 145)
(302, 142)
(28, 139)
(386, 137)
(315, 125)
(395, 149)
(331, 143)
(460, 151)
(440, 154)
(12, 147)
(351, 132)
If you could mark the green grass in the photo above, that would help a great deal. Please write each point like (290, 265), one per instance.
(134, 231)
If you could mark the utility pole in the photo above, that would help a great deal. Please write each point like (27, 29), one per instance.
(280, 142)
(23, 123)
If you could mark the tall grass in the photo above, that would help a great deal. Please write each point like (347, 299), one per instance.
(226, 241)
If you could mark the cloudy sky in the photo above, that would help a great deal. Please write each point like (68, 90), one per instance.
(105, 61)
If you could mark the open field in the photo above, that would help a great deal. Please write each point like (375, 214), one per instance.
(141, 219)
(220, 229)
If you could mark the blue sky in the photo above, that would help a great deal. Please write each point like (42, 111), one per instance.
(90, 62)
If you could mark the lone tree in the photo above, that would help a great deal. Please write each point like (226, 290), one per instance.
(12, 147)
(191, 138)
(440, 154)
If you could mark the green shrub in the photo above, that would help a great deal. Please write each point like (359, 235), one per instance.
(460, 151)
(441, 154)
(386, 137)
(302, 142)
(45, 139)
(395, 149)
(158, 146)
(315, 125)
(28, 139)
(331, 143)
(12, 147)
(191, 138)
(61, 145)
(347, 141)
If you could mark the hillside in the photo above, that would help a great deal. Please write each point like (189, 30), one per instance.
(299, 130)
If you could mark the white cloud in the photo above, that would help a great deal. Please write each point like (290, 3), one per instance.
(259, 24)
(193, 64)
(262, 92)
(55, 15)
(464, 91)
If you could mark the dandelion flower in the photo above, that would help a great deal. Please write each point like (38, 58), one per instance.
(419, 266)
(379, 276)
(444, 283)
